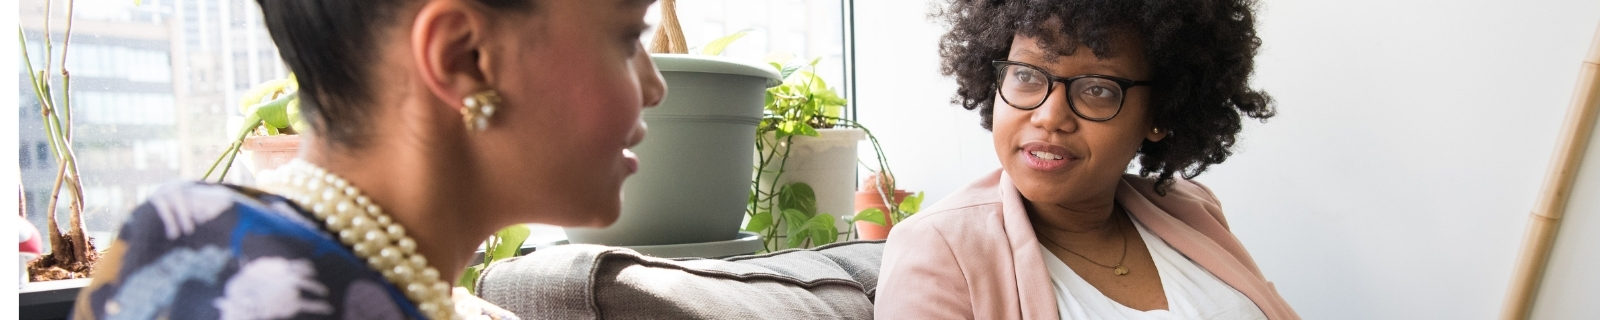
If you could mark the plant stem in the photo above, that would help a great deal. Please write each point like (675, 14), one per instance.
(765, 199)
(229, 166)
(48, 51)
(783, 162)
(886, 180)
(232, 150)
(66, 81)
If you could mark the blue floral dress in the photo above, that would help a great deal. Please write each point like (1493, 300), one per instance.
(206, 251)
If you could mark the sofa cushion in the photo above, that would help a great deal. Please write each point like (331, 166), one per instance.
(588, 282)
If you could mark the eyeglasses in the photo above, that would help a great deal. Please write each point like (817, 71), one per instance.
(1091, 96)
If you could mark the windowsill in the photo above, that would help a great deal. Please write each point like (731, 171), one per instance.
(49, 299)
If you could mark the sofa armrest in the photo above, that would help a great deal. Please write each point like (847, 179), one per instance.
(588, 282)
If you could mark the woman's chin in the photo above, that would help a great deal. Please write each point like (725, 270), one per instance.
(602, 214)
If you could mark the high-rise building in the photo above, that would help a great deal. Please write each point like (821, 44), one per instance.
(154, 87)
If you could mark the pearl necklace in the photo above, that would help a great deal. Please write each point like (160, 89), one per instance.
(363, 226)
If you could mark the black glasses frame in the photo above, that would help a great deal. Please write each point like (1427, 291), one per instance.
(1125, 84)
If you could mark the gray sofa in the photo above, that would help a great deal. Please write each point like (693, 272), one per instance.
(835, 281)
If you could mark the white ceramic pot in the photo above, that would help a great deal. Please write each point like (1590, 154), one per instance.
(827, 163)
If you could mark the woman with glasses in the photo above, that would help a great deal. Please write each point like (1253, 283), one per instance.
(434, 123)
(1074, 92)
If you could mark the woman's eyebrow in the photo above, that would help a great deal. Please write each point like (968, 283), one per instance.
(1030, 53)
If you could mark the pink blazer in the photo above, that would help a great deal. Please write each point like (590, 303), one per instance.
(973, 255)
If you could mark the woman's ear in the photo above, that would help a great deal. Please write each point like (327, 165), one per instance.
(1156, 134)
(447, 39)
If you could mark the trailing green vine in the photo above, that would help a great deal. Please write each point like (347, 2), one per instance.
(799, 106)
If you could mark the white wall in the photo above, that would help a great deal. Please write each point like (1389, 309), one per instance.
(1395, 183)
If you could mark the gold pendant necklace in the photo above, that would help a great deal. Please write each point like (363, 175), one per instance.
(1117, 269)
(370, 234)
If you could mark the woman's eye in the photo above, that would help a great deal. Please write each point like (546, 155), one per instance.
(1100, 95)
(1027, 76)
(1098, 92)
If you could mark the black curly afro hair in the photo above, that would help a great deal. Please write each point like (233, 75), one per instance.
(1201, 54)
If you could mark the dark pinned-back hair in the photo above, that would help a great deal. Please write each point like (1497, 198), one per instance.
(1201, 54)
(331, 45)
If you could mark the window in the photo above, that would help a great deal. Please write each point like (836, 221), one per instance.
(153, 95)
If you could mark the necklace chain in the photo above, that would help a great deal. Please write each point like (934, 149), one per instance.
(370, 234)
(1117, 269)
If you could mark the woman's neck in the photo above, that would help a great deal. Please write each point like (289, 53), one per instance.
(1093, 221)
(420, 190)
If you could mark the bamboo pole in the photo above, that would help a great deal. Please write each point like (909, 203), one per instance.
(1545, 219)
(669, 35)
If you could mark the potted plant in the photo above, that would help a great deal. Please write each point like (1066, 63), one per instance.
(877, 214)
(269, 131)
(805, 162)
(72, 254)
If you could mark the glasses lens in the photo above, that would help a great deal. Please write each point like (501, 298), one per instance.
(1023, 87)
(1096, 98)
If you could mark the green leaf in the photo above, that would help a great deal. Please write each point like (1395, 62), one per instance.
(771, 99)
(822, 230)
(829, 98)
(260, 92)
(806, 130)
(510, 241)
(295, 120)
(716, 46)
(805, 79)
(798, 196)
(872, 215)
(911, 204)
(759, 221)
(789, 70)
(469, 277)
(250, 123)
(274, 113)
(796, 230)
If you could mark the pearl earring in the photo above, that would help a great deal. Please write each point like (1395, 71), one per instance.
(1155, 130)
(479, 108)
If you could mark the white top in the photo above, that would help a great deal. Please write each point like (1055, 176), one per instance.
(1192, 292)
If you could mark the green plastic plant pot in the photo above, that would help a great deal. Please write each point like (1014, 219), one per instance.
(694, 165)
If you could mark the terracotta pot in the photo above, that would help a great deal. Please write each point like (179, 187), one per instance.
(868, 197)
(269, 152)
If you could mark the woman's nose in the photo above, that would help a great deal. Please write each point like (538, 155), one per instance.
(652, 88)
(1055, 114)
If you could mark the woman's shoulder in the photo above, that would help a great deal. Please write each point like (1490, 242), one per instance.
(970, 218)
(198, 213)
(966, 207)
(207, 250)
(1185, 199)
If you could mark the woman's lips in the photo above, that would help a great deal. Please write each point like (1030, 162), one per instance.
(1046, 157)
(632, 160)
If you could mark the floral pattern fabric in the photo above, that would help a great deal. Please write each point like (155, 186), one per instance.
(206, 251)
